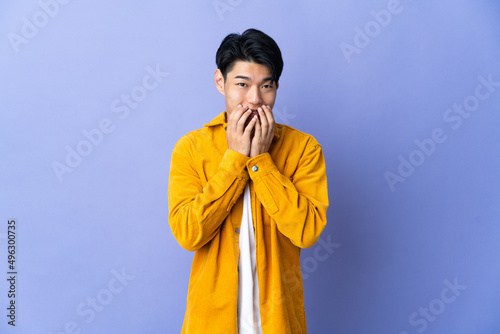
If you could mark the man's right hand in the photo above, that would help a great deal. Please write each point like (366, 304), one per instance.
(238, 136)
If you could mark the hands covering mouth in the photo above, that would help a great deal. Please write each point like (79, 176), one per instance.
(254, 113)
(250, 131)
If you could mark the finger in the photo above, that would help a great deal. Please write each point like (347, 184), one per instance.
(235, 117)
(269, 118)
(236, 113)
(269, 114)
(258, 127)
(244, 120)
(251, 124)
(263, 119)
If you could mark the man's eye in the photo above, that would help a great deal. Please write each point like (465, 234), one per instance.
(241, 84)
(267, 86)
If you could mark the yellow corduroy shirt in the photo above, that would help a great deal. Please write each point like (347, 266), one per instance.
(289, 199)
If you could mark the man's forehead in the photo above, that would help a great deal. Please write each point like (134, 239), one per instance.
(249, 71)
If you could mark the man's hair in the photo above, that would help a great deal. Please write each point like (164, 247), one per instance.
(252, 46)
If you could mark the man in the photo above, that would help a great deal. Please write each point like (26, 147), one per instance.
(247, 194)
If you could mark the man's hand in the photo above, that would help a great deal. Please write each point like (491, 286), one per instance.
(264, 132)
(238, 136)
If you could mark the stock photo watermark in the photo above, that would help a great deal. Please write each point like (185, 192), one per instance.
(425, 315)
(30, 27)
(223, 6)
(94, 137)
(323, 250)
(454, 117)
(97, 303)
(283, 117)
(363, 37)
(12, 270)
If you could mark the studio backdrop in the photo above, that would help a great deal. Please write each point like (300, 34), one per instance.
(403, 95)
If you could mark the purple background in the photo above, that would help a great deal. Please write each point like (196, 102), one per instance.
(393, 249)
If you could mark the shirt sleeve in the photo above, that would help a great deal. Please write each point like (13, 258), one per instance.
(298, 204)
(196, 211)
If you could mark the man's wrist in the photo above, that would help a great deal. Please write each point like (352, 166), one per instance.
(260, 165)
(234, 163)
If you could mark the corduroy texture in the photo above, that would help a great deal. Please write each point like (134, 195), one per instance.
(289, 198)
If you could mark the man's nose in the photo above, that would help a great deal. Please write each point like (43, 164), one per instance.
(254, 98)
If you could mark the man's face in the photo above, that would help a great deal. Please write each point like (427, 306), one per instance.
(248, 84)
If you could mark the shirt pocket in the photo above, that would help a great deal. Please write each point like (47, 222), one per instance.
(266, 198)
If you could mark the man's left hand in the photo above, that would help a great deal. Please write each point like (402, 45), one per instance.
(264, 132)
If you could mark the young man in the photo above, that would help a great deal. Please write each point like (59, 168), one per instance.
(247, 194)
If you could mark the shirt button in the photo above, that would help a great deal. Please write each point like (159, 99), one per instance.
(237, 230)
(255, 168)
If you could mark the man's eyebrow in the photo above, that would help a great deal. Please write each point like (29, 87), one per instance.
(244, 77)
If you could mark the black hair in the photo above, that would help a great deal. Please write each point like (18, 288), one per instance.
(253, 46)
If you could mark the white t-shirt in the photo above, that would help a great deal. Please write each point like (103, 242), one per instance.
(248, 285)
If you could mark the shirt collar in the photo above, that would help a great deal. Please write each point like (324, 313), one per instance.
(221, 120)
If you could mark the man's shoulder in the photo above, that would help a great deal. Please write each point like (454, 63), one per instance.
(195, 136)
(204, 134)
(291, 134)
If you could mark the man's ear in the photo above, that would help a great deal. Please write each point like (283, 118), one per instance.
(277, 85)
(219, 81)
